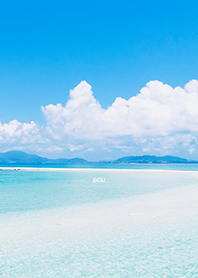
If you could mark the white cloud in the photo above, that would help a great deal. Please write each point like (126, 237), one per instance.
(81, 117)
(191, 150)
(159, 110)
(73, 148)
(159, 118)
(14, 130)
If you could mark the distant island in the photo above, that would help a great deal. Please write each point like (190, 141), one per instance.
(22, 158)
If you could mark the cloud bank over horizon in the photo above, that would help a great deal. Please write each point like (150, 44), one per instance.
(160, 119)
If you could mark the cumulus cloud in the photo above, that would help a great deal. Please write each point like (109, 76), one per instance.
(158, 110)
(14, 131)
(159, 118)
(22, 136)
(81, 117)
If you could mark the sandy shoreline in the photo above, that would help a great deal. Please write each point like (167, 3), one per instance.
(92, 169)
(158, 229)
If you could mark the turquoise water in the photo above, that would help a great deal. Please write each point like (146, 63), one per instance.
(135, 224)
(175, 166)
(35, 190)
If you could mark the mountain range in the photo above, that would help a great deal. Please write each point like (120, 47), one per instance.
(22, 158)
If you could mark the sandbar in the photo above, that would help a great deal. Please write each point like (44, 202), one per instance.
(94, 169)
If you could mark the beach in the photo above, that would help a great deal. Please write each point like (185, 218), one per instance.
(63, 169)
(150, 231)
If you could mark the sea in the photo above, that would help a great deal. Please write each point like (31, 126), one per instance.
(135, 220)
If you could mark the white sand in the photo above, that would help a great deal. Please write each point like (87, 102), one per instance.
(70, 238)
(165, 208)
(94, 169)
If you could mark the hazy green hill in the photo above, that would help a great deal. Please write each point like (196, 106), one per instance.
(22, 158)
(153, 159)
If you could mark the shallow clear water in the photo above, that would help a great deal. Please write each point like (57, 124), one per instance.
(62, 224)
(35, 190)
(174, 166)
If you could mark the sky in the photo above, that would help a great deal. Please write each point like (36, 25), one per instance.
(99, 79)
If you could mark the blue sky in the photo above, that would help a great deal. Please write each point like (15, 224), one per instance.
(48, 47)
